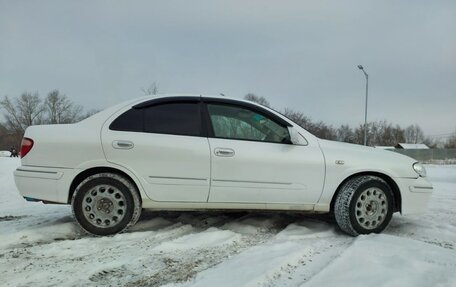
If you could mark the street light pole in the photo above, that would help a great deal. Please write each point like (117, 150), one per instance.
(365, 110)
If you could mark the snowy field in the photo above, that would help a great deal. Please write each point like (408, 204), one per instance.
(40, 245)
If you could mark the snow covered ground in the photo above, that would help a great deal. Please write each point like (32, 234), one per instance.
(40, 245)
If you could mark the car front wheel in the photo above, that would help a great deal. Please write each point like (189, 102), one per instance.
(364, 205)
(106, 203)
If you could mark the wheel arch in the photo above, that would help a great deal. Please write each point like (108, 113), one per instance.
(392, 184)
(99, 169)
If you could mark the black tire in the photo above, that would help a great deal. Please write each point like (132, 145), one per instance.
(113, 200)
(357, 215)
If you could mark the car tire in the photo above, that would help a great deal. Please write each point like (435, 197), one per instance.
(364, 205)
(106, 203)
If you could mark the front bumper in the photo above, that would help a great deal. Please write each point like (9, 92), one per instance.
(43, 183)
(415, 194)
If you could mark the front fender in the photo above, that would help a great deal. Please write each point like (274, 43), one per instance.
(345, 160)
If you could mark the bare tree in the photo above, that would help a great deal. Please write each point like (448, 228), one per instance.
(380, 133)
(60, 109)
(152, 90)
(319, 129)
(414, 134)
(398, 134)
(25, 111)
(323, 131)
(451, 142)
(345, 134)
(299, 118)
(433, 143)
(9, 138)
(257, 99)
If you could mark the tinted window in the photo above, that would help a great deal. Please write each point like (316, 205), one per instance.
(234, 122)
(173, 118)
(130, 121)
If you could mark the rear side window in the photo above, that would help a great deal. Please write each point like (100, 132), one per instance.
(169, 118)
(173, 118)
(130, 121)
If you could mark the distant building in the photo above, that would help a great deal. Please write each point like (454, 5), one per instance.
(411, 146)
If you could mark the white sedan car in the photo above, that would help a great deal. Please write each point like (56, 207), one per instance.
(203, 152)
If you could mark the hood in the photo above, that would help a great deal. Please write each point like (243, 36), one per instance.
(368, 158)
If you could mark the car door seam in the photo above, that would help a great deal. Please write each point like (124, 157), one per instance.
(210, 169)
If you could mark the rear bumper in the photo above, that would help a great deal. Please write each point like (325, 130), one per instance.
(43, 183)
(415, 194)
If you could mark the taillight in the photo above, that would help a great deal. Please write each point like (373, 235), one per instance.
(26, 146)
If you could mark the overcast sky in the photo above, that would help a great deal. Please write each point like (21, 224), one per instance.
(298, 54)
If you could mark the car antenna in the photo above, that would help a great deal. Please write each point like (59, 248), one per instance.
(222, 94)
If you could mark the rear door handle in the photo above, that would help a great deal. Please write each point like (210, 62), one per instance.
(121, 144)
(224, 152)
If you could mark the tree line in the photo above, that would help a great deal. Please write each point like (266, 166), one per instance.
(56, 108)
(379, 133)
(30, 109)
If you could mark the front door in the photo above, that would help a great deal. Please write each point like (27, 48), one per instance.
(253, 160)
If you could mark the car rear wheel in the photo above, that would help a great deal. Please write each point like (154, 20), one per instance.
(106, 203)
(364, 205)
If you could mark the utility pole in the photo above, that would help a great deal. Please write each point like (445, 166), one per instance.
(365, 110)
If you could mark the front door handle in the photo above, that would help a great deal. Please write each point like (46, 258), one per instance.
(121, 144)
(224, 152)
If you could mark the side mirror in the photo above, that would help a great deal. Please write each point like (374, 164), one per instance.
(296, 138)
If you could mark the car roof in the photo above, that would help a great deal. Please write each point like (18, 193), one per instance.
(221, 96)
(208, 96)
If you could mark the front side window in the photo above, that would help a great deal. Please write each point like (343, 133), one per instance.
(233, 122)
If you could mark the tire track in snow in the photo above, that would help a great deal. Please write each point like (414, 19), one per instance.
(132, 256)
(180, 265)
(303, 247)
(90, 255)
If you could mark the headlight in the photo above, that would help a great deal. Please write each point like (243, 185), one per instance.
(419, 168)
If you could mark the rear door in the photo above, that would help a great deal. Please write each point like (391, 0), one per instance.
(162, 143)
